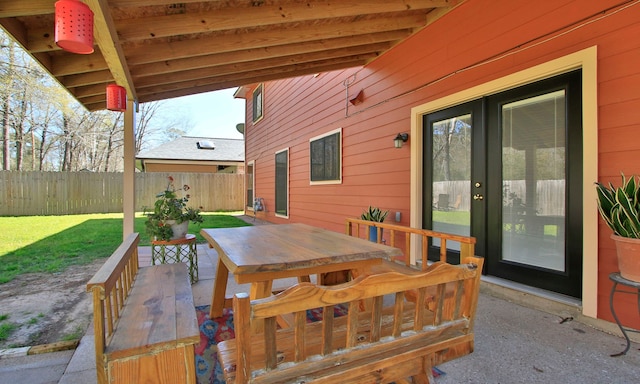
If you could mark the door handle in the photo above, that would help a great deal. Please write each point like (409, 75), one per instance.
(478, 196)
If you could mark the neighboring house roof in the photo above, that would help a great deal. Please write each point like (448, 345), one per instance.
(197, 149)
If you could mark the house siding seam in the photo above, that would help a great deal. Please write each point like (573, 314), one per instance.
(471, 45)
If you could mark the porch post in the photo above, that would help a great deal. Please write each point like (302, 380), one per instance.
(128, 199)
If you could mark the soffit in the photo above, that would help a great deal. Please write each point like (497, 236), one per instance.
(159, 49)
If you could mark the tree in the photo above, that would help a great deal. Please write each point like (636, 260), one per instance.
(7, 83)
(44, 128)
(156, 126)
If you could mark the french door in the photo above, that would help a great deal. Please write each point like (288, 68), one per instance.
(507, 170)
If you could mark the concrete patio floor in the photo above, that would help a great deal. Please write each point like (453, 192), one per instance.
(514, 343)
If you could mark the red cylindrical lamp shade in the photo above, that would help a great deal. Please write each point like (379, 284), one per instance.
(116, 98)
(74, 26)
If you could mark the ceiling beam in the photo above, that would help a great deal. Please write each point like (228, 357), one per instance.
(107, 39)
(82, 79)
(90, 90)
(264, 15)
(163, 50)
(350, 55)
(144, 3)
(246, 55)
(66, 64)
(238, 79)
(26, 8)
(154, 94)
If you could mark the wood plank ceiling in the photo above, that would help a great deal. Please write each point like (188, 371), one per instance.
(160, 49)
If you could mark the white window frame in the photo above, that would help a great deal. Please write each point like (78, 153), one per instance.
(252, 164)
(258, 92)
(275, 209)
(315, 138)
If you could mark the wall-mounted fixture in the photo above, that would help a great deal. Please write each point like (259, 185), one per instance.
(116, 98)
(401, 138)
(358, 98)
(74, 26)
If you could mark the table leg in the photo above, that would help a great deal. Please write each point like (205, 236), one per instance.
(304, 279)
(219, 290)
(259, 290)
(615, 317)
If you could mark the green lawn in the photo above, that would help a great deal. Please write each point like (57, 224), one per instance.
(51, 243)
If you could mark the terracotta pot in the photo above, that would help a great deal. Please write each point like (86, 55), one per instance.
(628, 257)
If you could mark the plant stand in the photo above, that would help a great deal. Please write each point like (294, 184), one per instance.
(177, 251)
(617, 279)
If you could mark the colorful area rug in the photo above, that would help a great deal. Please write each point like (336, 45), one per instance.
(212, 331)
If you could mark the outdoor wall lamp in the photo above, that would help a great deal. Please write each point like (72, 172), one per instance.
(401, 138)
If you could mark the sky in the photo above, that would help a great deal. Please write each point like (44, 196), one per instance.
(212, 114)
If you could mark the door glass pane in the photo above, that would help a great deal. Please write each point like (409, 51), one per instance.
(533, 174)
(451, 177)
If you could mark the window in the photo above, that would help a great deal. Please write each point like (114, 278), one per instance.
(326, 158)
(249, 183)
(282, 183)
(258, 103)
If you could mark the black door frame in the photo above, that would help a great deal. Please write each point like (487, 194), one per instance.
(487, 141)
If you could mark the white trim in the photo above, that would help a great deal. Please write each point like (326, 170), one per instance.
(585, 59)
(252, 164)
(194, 162)
(253, 99)
(288, 181)
(325, 182)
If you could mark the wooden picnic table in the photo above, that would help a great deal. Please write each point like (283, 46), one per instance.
(260, 254)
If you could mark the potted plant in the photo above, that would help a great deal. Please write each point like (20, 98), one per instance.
(171, 216)
(620, 209)
(377, 215)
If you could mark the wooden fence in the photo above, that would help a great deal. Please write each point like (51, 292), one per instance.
(65, 193)
(549, 195)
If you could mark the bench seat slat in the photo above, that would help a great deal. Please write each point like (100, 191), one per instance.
(371, 362)
(157, 315)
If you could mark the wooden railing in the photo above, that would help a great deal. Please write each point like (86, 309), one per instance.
(400, 236)
(110, 287)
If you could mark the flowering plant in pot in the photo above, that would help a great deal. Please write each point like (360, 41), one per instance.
(377, 215)
(619, 207)
(171, 216)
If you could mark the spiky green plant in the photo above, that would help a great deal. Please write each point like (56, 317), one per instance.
(374, 214)
(620, 207)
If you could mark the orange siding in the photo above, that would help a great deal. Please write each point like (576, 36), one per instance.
(471, 45)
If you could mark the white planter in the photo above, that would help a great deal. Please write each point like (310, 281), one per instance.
(180, 230)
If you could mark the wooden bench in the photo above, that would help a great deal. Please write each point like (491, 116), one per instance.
(145, 324)
(393, 341)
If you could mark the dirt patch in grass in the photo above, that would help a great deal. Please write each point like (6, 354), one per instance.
(44, 308)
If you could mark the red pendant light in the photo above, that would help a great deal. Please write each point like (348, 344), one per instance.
(74, 26)
(116, 98)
